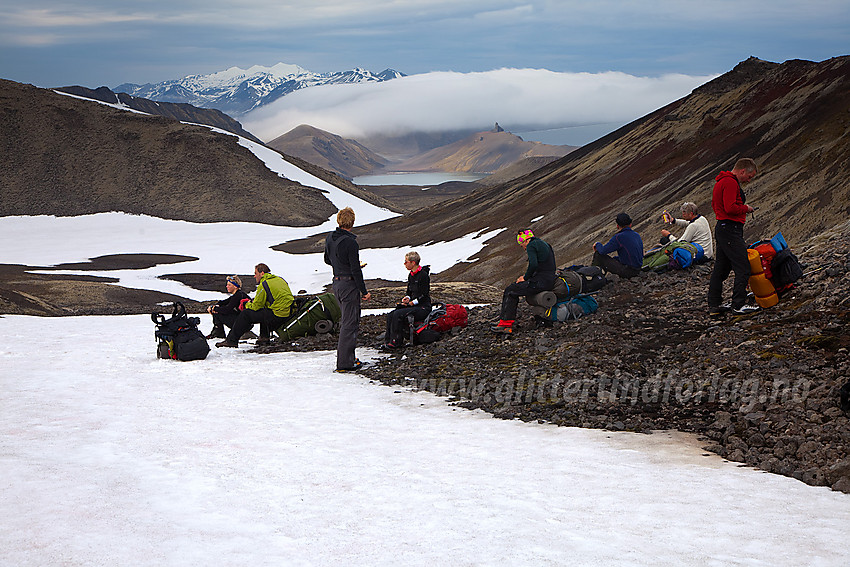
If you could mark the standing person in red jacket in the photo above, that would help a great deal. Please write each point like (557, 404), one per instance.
(731, 208)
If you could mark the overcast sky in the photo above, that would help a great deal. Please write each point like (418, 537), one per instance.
(96, 42)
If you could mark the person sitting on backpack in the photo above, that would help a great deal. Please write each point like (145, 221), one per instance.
(697, 230)
(416, 302)
(540, 276)
(628, 246)
(224, 312)
(270, 308)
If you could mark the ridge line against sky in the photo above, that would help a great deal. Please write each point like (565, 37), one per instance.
(92, 42)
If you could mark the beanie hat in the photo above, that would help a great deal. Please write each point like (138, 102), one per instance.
(523, 235)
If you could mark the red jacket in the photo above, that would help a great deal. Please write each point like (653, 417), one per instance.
(728, 199)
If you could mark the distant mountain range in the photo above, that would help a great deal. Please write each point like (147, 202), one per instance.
(480, 152)
(237, 91)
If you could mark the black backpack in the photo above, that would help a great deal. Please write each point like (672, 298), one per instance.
(785, 267)
(178, 337)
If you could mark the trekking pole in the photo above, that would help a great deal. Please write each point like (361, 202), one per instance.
(814, 271)
(753, 212)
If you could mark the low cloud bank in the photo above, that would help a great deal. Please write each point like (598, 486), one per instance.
(516, 98)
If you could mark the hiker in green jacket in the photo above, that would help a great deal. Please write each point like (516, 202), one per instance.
(270, 307)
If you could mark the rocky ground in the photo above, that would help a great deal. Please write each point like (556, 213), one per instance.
(762, 390)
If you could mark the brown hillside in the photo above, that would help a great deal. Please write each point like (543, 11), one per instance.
(329, 151)
(65, 156)
(792, 118)
(482, 152)
(178, 111)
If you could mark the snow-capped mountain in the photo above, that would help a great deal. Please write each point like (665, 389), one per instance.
(236, 91)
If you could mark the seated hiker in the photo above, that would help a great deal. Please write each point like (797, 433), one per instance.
(540, 276)
(270, 308)
(417, 302)
(628, 246)
(697, 230)
(224, 312)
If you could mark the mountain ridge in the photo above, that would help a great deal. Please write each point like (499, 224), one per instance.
(481, 152)
(236, 91)
(327, 150)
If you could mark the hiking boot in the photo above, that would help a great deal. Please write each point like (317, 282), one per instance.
(357, 366)
(502, 329)
(227, 344)
(720, 310)
(217, 333)
(264, 341)
(746, 309)
(247, 336)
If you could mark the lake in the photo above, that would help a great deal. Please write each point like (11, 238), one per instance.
(421, 179)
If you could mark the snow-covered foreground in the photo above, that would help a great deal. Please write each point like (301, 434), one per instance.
(112, 457)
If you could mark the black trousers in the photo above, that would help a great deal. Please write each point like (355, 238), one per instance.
(265, 317)
(613, 265)
(397, 321)
(510, 299)
(730, 255)
(223, 320)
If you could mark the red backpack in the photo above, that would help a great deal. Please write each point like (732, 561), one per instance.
(441, 319)
(455, 316)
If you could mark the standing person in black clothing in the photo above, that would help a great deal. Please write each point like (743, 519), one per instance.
(540, 276)
(343, 254)
(417, 302)
(224, 312)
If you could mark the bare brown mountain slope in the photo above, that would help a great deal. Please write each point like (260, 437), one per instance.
(179, 111)
(64, 156)
(482, 152)
(792, 118)
(329, 151)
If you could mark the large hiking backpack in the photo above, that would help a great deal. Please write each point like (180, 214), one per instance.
(312, 315)
(567, 284)
(779, 264)
(443, 318)
(178, 337)
(592, 277)
(567, 310)
(675, 255)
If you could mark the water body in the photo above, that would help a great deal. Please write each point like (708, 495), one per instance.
(421, 179)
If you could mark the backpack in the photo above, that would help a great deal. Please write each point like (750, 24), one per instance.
(567, 284)
(592, 277)
(311, 316)
(685, 255)
(443, 317)
(178, 337)
(786, 268)
(567, 310)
